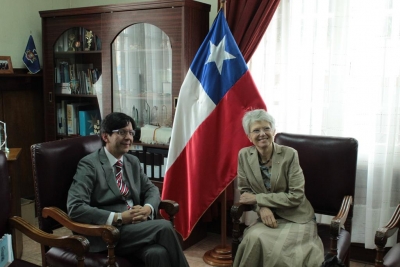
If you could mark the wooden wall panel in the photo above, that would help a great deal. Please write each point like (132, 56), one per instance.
(21, 108)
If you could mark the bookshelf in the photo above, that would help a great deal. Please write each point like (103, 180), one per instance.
(183, 24)
(70, 69)
(77, 68)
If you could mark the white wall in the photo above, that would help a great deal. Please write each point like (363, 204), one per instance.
(20, 18)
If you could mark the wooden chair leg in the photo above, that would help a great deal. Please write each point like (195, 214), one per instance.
(379, 256)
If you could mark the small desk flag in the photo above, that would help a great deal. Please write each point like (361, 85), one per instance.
(30, 58)
(207, 133)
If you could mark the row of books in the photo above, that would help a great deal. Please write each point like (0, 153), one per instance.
(155, 163)
(77, 119)
(76, 78)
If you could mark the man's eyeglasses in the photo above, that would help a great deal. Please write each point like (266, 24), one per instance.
(123, 132)
(264, 130)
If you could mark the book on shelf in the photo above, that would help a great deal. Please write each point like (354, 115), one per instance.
(57, 78)
(81, 37)
(62, 117)
(6, 250)
(63, 88)
(64, 71)
(98, 43)
(71, 119)
(94, 43)
(89, 122)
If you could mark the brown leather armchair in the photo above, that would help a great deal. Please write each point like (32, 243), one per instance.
(392, 257)
(54, 165)
(78, 245)
(329, 167)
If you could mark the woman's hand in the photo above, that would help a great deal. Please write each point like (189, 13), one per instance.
(268, 218)
(247, 198)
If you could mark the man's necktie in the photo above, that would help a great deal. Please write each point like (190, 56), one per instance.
(121, 185)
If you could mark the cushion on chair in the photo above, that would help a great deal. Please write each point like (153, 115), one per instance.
(392, 258)
(60, 257)
(343, 243)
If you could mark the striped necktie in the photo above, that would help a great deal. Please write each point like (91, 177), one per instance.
(121, 185)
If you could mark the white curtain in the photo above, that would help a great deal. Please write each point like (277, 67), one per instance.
(142, 63)
(332, 67)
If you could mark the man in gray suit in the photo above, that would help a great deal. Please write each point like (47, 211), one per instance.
(110, 187)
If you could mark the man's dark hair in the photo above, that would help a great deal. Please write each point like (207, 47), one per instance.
(115, 121)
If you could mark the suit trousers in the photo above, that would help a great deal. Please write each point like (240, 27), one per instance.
(153, 241)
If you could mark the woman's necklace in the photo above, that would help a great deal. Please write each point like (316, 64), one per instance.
(266, 162)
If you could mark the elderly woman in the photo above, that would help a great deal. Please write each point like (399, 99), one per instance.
(270, 179)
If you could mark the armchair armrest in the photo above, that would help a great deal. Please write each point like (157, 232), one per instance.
(79, 245)
(170, 207)
(236, 213)
(108, 233)
(383, 233)
(338, 222)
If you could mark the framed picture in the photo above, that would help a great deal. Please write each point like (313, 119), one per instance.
(5, 65)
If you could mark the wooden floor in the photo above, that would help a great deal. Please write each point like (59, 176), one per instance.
(194, 254)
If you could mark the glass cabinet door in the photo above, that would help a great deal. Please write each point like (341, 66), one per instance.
(142, 75)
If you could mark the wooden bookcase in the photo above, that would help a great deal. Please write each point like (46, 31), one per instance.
(186, 22)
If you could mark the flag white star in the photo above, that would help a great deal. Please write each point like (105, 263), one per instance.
(218, 54)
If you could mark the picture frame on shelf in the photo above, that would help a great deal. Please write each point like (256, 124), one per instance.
(6, 65)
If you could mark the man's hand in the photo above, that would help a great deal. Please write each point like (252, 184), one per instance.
(268, 218)
(248, 198)
(139, 213)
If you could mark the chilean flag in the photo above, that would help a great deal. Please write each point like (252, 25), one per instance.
(207, 133)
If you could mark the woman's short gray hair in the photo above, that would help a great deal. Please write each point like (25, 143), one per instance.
(256, 115)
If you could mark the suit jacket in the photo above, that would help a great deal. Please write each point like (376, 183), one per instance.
(94, 192)
(287, 198)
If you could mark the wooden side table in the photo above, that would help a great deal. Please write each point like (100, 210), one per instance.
(13, 171)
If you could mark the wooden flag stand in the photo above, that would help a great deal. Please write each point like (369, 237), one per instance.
(221, 255)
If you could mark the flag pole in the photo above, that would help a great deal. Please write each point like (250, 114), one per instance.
(221, 255)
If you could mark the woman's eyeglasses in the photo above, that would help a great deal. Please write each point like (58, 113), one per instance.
(264, 130)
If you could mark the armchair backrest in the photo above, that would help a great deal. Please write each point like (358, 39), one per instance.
(5, 194)
(329, 167)
(54, 165)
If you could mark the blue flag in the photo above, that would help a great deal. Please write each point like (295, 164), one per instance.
(30, 58)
